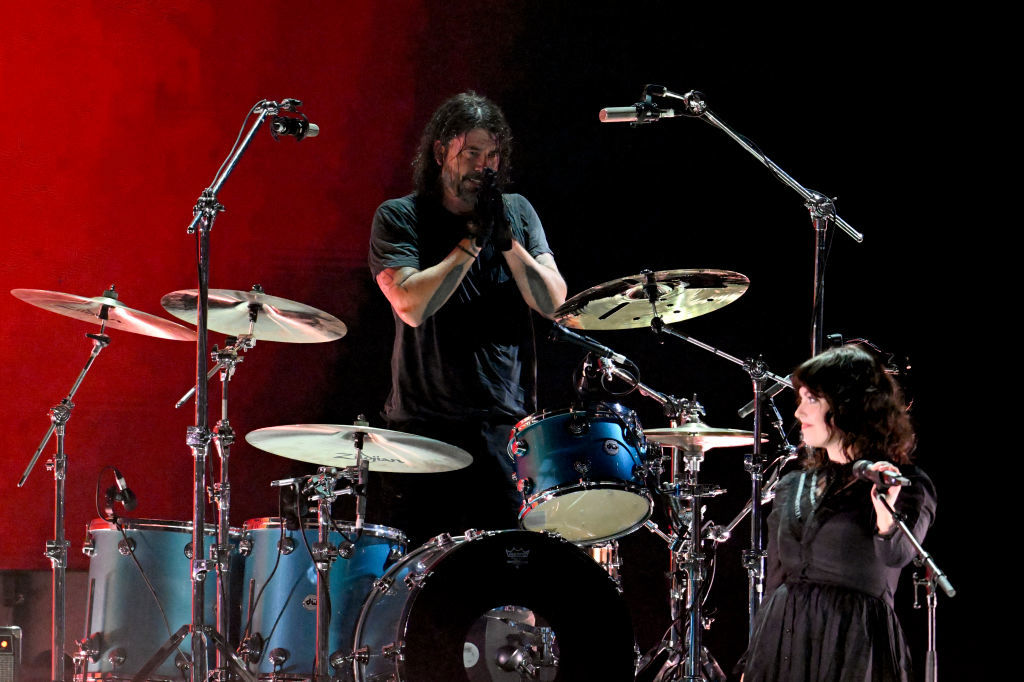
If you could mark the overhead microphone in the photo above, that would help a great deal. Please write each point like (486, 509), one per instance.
(641, 112)
(560, 333)
(298, 127)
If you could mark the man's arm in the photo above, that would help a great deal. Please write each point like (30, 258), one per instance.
(417, 294)
(538, 279)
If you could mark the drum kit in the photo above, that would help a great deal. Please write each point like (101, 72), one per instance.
(321, 599)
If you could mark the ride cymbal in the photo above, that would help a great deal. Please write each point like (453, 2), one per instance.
(625, 303)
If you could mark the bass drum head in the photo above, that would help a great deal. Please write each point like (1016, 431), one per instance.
(465, 586)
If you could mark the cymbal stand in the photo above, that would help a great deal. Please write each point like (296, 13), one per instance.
(686, 557)
(226, 361)
(57, 549)
(754, 556)
(322, 491)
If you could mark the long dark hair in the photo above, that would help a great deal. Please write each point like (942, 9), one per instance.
(866, 407)
(459, 114)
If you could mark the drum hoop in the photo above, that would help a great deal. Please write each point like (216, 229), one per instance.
(557, 491)
(266, 522)
(599, 410)
(151, 524)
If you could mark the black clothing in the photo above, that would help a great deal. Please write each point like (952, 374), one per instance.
(831, 579)
(465, 375)
(475, 357)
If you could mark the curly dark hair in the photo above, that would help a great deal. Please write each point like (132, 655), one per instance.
(866, 406)
(459, 114)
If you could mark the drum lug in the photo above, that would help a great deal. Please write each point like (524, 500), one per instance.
(89, 647)
(361, 655)
(473, 534)
(525, 486)
(126, 547)
(277, 657)
(245, 545)
(395, 651)
(116, 657)
(442, 540)
(286, 545)
(89, 547)
(518, 448)
(415, 580)
(383, 584)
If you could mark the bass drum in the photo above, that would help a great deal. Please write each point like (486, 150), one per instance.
(494, 606)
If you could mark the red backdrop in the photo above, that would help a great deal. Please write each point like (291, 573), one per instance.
(118, 114)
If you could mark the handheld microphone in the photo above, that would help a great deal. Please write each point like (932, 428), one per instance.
(298, 127)
(560, 333)
(882, 479)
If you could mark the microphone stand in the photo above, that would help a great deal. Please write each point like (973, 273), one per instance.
(821, 208)
(57, 549)
(934, 576)
(198, 436)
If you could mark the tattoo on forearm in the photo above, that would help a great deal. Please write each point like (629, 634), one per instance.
(539, 289)
(447, 286)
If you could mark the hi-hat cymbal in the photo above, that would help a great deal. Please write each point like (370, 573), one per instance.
(624, 303)
(277, 319)
(98, 308)
(384, 450)
(699, 436)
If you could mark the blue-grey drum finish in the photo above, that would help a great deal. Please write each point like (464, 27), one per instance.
(285, 615)
(124, 622)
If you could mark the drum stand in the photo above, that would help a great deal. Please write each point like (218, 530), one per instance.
(57, 549)
(321, 489)
(227, 360)
(754, 463)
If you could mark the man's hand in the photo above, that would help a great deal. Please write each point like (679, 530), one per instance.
(492, 223)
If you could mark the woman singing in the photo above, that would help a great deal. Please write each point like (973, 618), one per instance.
(834, 552)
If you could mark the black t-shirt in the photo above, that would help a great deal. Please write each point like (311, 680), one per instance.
(475, 358)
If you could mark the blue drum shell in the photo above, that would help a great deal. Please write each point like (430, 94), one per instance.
(285, 615)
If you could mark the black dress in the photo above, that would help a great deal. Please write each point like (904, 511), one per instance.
(831, 579)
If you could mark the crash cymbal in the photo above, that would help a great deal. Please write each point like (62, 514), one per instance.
(384, 450)
(277, 319)
(117, 314)
(699, 436)
(680, 294)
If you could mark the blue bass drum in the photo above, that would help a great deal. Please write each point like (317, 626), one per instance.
(280, 592)
(127, 622)
(581, 473)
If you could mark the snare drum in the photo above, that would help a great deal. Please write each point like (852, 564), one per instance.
(471, 607)
(284, 617)
(581, 473)
(127, 623)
